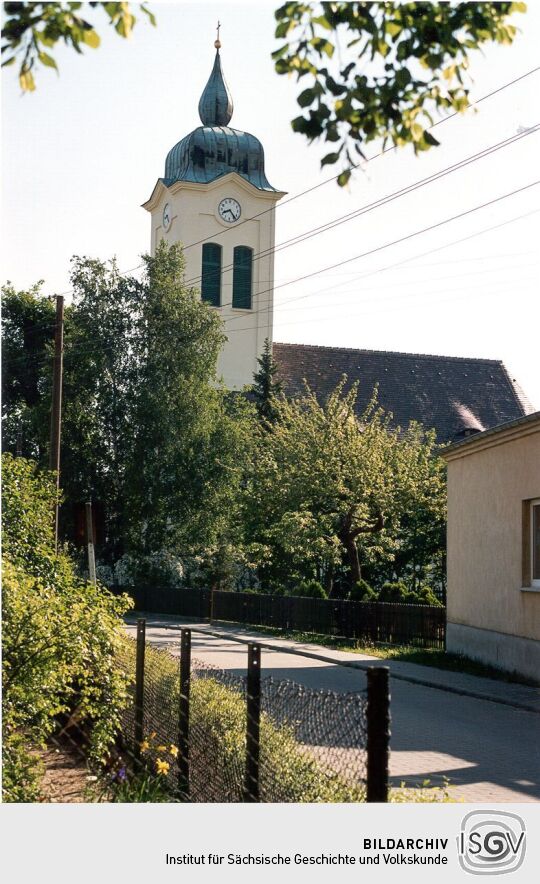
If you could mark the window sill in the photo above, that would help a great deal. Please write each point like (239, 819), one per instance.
(530, 589)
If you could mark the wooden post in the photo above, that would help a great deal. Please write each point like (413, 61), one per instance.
(183, 718)
(378, 733)
(138, 733)
(90, 543)
(56, 413)
(251, 785)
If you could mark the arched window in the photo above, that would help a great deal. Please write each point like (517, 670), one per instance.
(211, 274)
(242, 277)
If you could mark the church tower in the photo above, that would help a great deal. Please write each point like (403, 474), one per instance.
(216, 200)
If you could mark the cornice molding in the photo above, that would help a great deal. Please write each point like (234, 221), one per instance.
(160, 189)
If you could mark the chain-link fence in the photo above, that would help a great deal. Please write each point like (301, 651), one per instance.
(219, 736)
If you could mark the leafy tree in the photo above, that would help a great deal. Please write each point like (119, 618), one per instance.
(101, 346)
(32, 28)
(146, 433)
(381, 70)
(27, 330)
(325, 484)
(266, 386)
(189, 436)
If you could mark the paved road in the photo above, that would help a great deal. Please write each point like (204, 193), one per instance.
(490, 752)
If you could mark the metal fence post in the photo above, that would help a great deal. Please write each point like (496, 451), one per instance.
(251, 785)
(139, 687)
(378, 733)
(183, 713)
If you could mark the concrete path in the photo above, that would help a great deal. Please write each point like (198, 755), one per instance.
(487, 748)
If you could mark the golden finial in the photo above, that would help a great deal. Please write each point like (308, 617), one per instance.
(217, 42)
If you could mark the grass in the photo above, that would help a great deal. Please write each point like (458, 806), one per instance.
(435, 657)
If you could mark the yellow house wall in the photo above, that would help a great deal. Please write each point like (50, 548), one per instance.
(485, 493)
(195, 218)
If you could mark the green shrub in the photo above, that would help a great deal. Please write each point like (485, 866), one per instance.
(289, 771)
(362, 592)
(309, 588)
(394, 592)
(398, 592)
(424, 595)
(21, 770)
(60, 636)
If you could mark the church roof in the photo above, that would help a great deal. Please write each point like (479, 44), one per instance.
(214, 149)
(455, 396)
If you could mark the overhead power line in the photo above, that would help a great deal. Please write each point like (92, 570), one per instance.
(382, 201)
(401, 239)
(89, 349)
(370, 159)
(411, 258)
(333, 178)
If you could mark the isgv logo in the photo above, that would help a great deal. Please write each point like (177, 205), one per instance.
(491, 842)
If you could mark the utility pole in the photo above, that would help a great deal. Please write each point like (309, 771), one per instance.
(90, 544)
(56, 415)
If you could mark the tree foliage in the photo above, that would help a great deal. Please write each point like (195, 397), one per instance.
(27, 330)
(382, 70)
(32, 30)
(266, 386)
(59, 635)
(189, 437)
(147, 433)
(326, 485)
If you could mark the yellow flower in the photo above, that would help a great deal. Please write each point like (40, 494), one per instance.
(145, 745)
(174, 751)
(162, 767)
(161, 748)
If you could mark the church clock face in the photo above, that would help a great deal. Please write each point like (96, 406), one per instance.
(229, 210)
(167, 216)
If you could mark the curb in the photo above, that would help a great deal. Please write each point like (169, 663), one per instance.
(355, 664)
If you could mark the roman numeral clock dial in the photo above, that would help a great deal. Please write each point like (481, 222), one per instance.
(229, 210)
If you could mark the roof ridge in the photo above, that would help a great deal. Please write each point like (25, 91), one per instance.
(393, 353)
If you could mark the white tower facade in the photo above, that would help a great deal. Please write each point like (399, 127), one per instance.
(216, 201)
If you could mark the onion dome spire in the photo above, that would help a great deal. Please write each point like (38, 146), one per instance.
(216, 104)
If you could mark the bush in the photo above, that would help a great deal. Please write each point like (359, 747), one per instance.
(309, 588)
(394, 592)
(275, 589)
(218, 745)
(289, 772)
(398, 592)
(425, 596)
(60, 636)
(362, 592)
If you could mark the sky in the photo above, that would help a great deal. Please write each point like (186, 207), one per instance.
(82, 153)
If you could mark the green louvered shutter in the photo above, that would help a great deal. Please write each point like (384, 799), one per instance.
(242, 274)
(211, 274)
